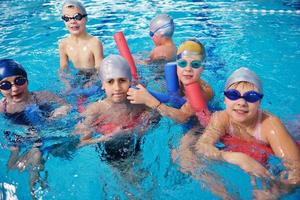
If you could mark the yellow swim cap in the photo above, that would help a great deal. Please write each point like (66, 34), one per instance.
(191, 47)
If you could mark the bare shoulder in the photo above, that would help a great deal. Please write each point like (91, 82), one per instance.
(62, 43)
(269, 119)
(221, 117)
(94, 108)
(44, 96)
(94, 41)
(272, 124)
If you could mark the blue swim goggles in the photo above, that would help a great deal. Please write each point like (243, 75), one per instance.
(250, 96)
(195, 64)
(151, 33)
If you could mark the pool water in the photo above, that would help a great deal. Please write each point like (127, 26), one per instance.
(262, 35)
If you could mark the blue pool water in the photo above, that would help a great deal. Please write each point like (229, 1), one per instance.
(263, 35)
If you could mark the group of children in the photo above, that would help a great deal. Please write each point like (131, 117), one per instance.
(126, 109)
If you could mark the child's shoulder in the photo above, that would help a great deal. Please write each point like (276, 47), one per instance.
(269, 118)
(63, 42)
(93, 39)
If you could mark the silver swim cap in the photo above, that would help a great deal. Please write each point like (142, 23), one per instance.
(114, 66)
(162, 25)
(244, 74)
(74, 3)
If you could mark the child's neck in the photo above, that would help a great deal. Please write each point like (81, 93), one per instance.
(79, 36)
(167, 42)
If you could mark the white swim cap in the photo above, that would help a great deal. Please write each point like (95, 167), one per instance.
(246, 75)
(114, 66)
(162, 25)
(74, 3)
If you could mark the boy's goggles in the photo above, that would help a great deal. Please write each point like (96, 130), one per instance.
(76, 17)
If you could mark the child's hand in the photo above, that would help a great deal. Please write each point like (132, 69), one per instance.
(208, 150)
(61, 111)
(246, 163)
(141, 96)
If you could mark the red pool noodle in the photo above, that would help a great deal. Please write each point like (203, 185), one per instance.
(125, 52)
(197, 100)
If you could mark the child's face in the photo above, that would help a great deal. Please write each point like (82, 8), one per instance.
(240, 110)
(116, 89)
(15, 88)
(75, 27)
(189, 69)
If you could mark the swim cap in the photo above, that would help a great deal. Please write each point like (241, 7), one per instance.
(114, 66)
(162, 25)
(246, 75)
(9, 67)
(74, 3)
(191, 47)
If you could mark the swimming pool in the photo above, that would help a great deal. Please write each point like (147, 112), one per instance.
(263, 35)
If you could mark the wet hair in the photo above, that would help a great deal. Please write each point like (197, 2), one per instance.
(9, 67)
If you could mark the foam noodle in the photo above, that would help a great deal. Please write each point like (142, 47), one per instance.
(198, 102)
(125, 52)
(171, 77)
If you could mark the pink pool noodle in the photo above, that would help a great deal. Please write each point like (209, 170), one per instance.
(197, 100)
(125, 52)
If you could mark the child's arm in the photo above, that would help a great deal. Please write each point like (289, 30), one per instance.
(63, 108)
(85, 127)
(97, 49)
(207, 90)
(284, 147)
(213, 132)
(63, 64)
(142, 96)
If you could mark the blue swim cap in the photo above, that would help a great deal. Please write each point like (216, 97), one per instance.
(9, 67)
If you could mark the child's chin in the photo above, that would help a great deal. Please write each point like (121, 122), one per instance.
(119, 100)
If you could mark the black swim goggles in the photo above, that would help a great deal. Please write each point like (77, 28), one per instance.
(250, 96)
(76, 17)
(195, 64)
(19, 81)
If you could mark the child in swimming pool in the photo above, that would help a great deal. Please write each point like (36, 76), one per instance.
(15, 106)
(84, 50)
(114, 115)
(190, 57)
(243, 119)
(161, 32)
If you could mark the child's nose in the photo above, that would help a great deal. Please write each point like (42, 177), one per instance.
(188, 67)
(117, 86)
(241, 101)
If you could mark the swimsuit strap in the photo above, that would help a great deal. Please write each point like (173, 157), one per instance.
(257, 129)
